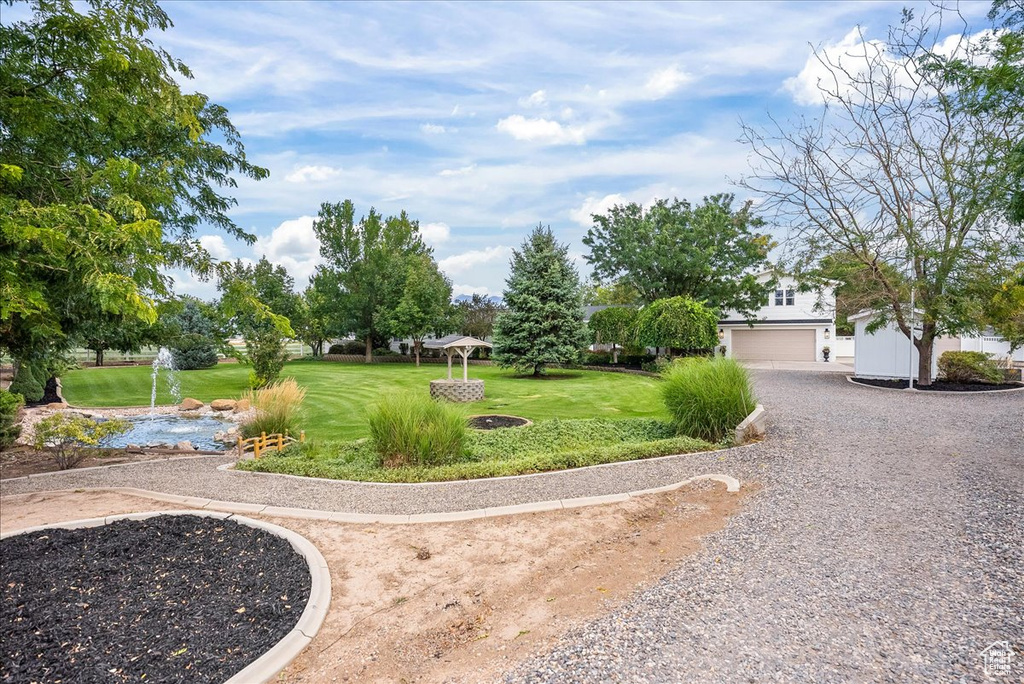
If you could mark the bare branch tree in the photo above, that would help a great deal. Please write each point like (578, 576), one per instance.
(893, 173)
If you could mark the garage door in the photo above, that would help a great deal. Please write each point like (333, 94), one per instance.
(773, 345)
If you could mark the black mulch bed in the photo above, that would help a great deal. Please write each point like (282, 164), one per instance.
(495, 422)
(941, 385)
(168, 599)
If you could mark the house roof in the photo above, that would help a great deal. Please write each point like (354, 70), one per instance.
(451, 341)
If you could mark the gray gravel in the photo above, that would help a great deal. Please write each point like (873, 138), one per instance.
(886, 546)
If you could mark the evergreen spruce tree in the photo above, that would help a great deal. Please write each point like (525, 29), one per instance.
(544, 321)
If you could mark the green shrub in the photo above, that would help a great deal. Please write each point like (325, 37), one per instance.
(707, 398)
(412, 429)
(348, 347)
(194, 352)
(596, 358)
(267, 353)
(276, 409)
(10, 404)
(969, 366)
(27, 382)
(69, 437)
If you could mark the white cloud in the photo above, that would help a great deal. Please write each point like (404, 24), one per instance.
(312, 174)
(541, 130)
(294, 246)
(595, 205)
(460, 263)
(461, 171)
(435, 233)
(665, 82)
(215, 245)
(537, 99)
(433, 129)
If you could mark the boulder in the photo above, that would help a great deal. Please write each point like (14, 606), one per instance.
(232, 431)
(184, 446)
(242, 405)
(223, 404)
(132, 446)
(190, 404)
(56, 405)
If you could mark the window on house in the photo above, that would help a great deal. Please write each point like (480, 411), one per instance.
(779, 295)
(790, 297)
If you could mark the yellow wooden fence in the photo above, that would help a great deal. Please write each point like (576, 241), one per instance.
(257, 445)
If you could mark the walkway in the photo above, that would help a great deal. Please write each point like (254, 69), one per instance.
(887, 546)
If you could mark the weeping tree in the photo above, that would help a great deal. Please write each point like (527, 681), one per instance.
(895, 171)
(680, 324)
(613, 326)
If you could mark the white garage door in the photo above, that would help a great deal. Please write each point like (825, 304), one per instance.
(773, 345)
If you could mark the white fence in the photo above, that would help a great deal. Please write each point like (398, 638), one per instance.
(842, 346)
(1000, 348)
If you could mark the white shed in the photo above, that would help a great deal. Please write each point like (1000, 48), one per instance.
(887, 353)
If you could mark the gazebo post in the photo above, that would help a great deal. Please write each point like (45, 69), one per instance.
(448, 353)
(464, 353)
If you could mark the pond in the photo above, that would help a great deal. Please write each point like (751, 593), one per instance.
(155, 430)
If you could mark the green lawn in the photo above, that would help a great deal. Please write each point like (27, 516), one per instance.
(338, 392)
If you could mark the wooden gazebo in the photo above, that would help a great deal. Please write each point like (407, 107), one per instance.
(451, 388)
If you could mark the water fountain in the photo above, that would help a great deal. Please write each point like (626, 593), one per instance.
(164, 359)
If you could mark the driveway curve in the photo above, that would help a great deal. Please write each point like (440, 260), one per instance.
(886, 546)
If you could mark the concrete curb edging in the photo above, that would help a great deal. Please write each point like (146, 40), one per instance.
(850, 379)
(266, 667)
(229, 508)
(753, 426)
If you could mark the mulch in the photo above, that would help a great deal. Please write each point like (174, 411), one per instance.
(941, 385)
(495, 422)
(21, 460)
(167, 599)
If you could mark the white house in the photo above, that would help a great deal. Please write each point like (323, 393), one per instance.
(791, 326)
(887, 353)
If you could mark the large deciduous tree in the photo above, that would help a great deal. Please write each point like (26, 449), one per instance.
(367, 264)
(426, 303)
(679, 324)
(106, 169)
(543, 322)
(475, 316)
(709, 252)
(614, 326)
(899, 174)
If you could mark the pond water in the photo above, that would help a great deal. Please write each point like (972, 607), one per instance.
(159, 429)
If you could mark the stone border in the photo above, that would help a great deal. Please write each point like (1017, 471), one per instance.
(227, 508)
(850, 379)
(267, 666)
(528, 422)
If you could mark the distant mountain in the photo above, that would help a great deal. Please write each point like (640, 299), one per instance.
(493, 299)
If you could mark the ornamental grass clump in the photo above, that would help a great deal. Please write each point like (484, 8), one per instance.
(276, 409)
(409, 429)
(69, 438)
(707, 398)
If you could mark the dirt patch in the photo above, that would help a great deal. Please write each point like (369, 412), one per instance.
(941, 385)
(494, 422)
(462, 602)
(23, 460)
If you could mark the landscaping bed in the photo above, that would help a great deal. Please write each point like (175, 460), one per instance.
(25, 460)
(496, 422)
(167, 599)
(941, 385)
(544, 446)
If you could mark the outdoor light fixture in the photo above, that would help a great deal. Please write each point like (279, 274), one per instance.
(826, 333)
(721, 333)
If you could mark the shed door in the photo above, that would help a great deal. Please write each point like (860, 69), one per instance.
(773, 345)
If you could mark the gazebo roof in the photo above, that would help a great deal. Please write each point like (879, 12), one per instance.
(451, 341)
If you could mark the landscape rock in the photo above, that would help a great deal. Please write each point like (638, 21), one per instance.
(56, 405)
(132, 446)
(233, 430)
(190, 404)
(242, 405)
(222, 404)
(184, 446)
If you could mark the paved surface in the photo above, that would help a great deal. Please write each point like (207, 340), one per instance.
(885, 547)
(809, 366)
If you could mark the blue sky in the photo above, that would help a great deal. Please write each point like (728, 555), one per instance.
(482, 120)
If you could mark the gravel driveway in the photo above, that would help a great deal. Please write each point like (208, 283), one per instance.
(886, 546)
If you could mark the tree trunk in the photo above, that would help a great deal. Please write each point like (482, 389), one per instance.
(369, 348)
(615, 354)
(99, 357)
(537, 369)
(924, 354)
(416, 346)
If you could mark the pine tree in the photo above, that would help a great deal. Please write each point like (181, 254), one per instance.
(544, 321)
